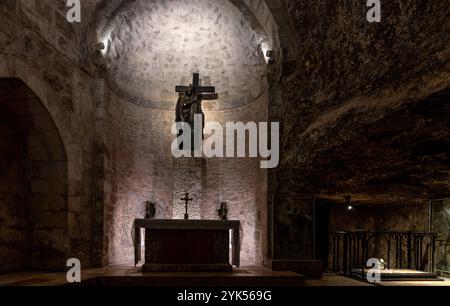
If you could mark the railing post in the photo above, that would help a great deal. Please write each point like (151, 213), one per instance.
(433, 250)
(334, 253)
(338, 243)
(389, 251)
(409, 246)
(345, 257)
(364, 246)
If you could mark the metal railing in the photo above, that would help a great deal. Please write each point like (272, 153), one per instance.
(400, 250)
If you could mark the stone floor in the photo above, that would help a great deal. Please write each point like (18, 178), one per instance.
(128, 276)
(124, 275)
(338, 280)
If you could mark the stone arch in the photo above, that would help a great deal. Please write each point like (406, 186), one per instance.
(256, 11)
(270, 18)
(13, 67)
(40, 170)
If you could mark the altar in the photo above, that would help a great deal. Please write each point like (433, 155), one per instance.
(188, 245)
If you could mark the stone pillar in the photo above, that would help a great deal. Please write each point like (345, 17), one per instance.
(189, 174)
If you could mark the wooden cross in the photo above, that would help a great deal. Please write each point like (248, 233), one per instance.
(202, 92)
(187, 200)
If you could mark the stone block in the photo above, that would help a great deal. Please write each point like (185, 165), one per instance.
(49, 186)
(48, 203)
(36, 107)
(73, 223)
(49, 221)
(64, 27)
(48, 153)
(44, 138)
(74, 204)
(43, 122)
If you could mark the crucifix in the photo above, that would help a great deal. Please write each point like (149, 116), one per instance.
(190, 102)
(187, 200)
(199, 90)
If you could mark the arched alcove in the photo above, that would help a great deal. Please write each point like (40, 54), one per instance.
(33, 192)
(147, 48)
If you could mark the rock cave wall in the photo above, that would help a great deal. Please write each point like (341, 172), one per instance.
(364, 101)
(365, 109)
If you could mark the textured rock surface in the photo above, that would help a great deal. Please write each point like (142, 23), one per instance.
(189, 177)
(365, 112)
(153, 46)
(39, 47)
(366, 106)
(140, 167)
(364, 109)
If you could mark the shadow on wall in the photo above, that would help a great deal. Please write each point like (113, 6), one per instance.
(33, 183)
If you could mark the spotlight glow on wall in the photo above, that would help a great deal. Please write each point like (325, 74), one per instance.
(104, 46)
(104, 43)
(265, 49)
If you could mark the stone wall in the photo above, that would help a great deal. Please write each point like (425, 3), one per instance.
(44, 174)
(37, 47)
(116, 153)
(220, 40)
(241, 183)
(440, 223)
(293, 228)
(138, 167)
(141, 168)
(399, 218)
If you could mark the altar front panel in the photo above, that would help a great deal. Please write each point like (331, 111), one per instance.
(188, 245)
(176, 246)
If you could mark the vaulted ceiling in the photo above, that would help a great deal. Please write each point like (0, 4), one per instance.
(153, 46)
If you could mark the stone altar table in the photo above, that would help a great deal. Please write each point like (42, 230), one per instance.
(187, 245)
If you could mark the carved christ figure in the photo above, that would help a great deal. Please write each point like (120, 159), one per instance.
(188, 106)
(190, 103)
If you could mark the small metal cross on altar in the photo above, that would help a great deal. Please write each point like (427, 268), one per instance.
(187, 200)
